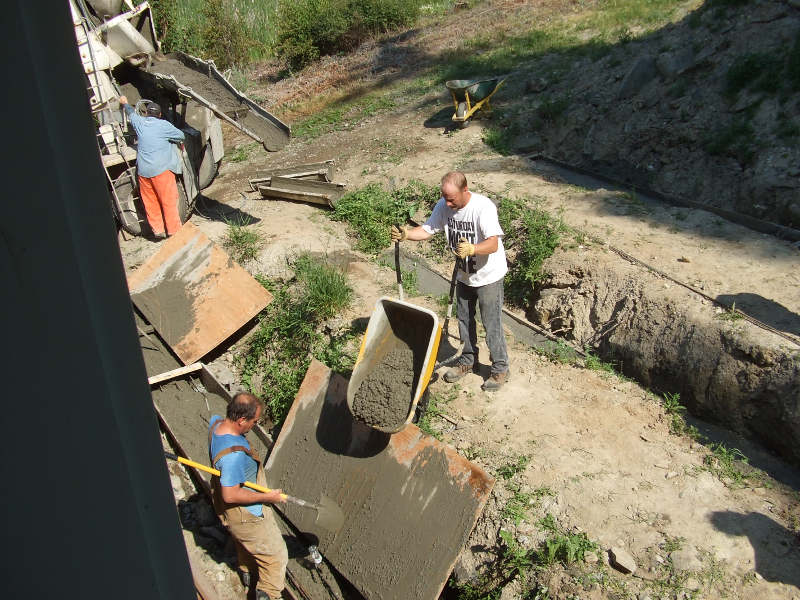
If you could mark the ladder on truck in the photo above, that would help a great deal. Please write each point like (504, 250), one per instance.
(112, 147)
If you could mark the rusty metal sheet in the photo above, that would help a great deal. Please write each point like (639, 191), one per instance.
(194, 294)
(410, 502)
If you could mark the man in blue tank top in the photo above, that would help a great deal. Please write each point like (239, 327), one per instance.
(259, 543)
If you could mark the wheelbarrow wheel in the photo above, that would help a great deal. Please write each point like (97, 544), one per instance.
(461, 112)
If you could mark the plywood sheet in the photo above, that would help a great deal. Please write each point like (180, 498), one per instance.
(409, 501)
(194, 294)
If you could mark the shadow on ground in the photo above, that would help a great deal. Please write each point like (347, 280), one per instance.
(776, 548)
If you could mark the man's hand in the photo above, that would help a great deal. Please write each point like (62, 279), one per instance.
(465, 249)
(123, 100)
(275, 497)
(398, 235)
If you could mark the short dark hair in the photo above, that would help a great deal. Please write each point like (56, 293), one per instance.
(243, 406)
(153, 110)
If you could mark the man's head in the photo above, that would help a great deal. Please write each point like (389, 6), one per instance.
(244, 410)
(153, 110)
(454, 190)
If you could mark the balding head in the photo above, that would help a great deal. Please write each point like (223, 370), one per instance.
(456, 179)
(243, 406)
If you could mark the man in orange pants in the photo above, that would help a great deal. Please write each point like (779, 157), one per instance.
(156, 164)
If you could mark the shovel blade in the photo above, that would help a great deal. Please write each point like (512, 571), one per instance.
(329, 515)
(447, 352)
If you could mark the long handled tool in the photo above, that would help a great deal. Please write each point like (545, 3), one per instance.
(329, 515)
(397, 269)
(447, 352)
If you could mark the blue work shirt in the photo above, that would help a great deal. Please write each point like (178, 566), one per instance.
(236, 467)
(155, 152)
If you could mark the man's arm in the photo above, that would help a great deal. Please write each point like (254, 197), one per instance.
(417, 234)
(237, 494)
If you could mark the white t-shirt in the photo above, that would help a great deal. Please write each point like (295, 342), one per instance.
(474, 223)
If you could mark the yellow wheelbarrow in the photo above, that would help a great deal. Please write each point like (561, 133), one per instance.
(470, 95)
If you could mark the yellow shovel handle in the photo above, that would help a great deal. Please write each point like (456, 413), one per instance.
(202, 467)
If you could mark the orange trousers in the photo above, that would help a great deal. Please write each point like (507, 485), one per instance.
(160, 199)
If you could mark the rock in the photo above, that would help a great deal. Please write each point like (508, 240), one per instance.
(590, 558)
(528, 142)
(643, 596)
(670, 475)
(685, 560)
(642, 72)
(621, 560)
(177, 487)
(537, 84)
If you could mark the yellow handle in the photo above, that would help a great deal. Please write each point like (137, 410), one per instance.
(202, 467)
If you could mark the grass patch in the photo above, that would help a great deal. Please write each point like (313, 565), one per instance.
(531, 237)
(515, 464)
(242, 153)
(433, 409)
(342, 117)
(594, 363)
(516, 509)
(675, 411)
(562, 547)
(410, 283)
(278, 353)
(730, 314)
(372, 210)
(558, 352)
(724, 463)
(241, 242)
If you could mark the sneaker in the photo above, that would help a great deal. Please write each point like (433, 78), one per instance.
(457, 372)
(495, 381)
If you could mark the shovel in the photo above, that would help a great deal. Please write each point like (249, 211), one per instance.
(447, 352)
(329, 515)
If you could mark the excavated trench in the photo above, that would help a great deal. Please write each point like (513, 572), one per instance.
(726, 370)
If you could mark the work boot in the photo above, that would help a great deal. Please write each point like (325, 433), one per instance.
(457, 372)
(495, 381)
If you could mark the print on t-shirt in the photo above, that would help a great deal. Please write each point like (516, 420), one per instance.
(462, 230)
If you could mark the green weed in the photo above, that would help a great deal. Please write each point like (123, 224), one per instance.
(722, 462)
(279, 351)
(672, 544)
(242, 153)
(434, 409)
(594, 363)
(516, 509)
(372, 210)
(730, 314)
(341, 117)
(410, 283)
(531, 237)
(515, 465)
(551, 110)
(559, 352)
(241, 242)
(498, 139)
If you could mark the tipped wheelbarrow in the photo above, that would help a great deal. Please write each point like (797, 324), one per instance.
(471, 95)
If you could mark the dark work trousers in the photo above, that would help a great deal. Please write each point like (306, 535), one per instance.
(490, 300)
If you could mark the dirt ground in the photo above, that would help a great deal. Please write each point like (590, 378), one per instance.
(601, 450)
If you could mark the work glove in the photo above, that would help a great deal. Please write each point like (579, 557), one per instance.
(398, 235)
(465, 249)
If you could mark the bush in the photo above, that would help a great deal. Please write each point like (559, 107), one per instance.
(308, 29)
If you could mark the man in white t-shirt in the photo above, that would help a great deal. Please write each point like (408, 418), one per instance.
(469, 221)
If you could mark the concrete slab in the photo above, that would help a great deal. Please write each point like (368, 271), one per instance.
(194, 294)
(409, 501)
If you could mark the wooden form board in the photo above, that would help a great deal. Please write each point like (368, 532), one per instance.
(409, 501)
(194, 294)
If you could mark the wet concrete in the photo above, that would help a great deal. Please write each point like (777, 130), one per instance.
(409, 501)
(206, 86)
(384, 397)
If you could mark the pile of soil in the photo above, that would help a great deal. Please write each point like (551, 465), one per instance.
(383, 398)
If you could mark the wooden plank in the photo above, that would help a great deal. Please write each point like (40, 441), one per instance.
(283, 194)
(175, 373)
(410, 502)
(194, 294)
